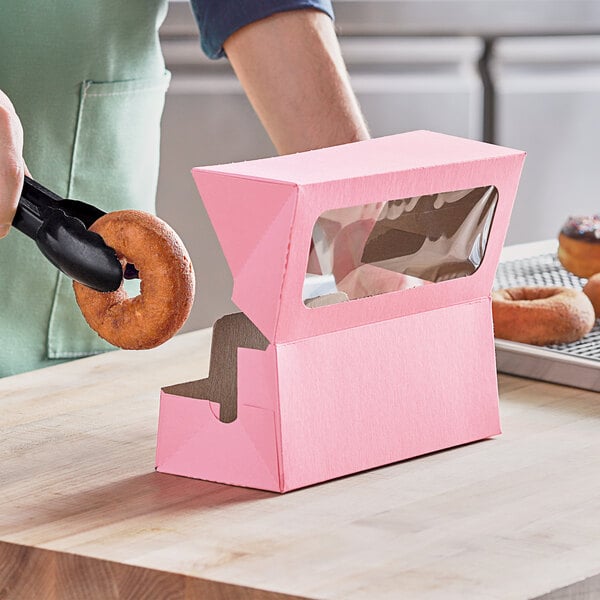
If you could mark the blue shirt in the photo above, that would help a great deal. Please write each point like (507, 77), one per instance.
(218, 19)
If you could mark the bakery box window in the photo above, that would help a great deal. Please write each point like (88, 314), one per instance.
(383, 247)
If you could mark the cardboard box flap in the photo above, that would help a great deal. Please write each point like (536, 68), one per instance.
(253, 225)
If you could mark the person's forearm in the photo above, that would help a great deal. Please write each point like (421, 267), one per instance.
(12, 167)
(292, 70)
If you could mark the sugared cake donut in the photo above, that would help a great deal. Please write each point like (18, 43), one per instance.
(592, 291)
(579, 245)
(541, 315)
(166, 286)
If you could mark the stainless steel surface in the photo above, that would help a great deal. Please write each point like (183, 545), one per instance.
(546, 98)
(467, 17)
(576, 364)
(488, 18)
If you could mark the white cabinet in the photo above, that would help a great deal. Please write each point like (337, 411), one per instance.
(547, 102)
(412, 83)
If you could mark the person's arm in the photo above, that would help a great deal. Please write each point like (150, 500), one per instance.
(292, 70)
(12, 167)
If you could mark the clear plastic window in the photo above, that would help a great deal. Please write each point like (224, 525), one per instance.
(383, 247)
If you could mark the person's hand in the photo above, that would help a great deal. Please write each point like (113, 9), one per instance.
(12, 166)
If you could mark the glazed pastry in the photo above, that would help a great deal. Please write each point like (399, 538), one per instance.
(579, 245)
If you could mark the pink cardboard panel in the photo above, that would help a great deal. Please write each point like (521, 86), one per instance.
(297, 322)
(376, 394)
(343, 402)
(253, 221)
(194, 443)
(402, 152)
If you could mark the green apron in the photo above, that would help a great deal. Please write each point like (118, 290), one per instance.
(87, 79)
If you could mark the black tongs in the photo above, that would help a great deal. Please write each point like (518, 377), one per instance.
(60, 229)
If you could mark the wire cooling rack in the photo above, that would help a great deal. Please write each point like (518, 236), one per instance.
(546, 270)
(576, 364)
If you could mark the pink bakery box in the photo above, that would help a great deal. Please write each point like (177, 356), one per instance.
(363, 273)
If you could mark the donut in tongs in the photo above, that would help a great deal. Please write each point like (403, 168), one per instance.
(166, 286)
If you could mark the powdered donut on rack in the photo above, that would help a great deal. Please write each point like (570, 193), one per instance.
(166, 286)
(592, 291)
(579, 245)
(541, 315)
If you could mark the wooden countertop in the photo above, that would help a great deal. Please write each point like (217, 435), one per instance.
(84, 514)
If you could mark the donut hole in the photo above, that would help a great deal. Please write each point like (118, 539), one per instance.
(132, 287)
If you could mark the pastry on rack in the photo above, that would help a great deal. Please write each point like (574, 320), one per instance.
(592, 291)
(579, 245)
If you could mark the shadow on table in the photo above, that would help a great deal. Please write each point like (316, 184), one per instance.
(147, 494)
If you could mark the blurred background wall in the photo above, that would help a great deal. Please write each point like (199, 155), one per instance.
(520, 73)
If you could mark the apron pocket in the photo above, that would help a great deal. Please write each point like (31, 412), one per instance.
(114, 166)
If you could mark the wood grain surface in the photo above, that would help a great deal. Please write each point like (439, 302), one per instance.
(36, 573)
(510, 518)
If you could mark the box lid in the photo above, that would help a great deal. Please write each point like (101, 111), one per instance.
(401, 152)
(264, 211)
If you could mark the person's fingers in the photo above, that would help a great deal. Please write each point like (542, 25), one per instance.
(12, 167)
